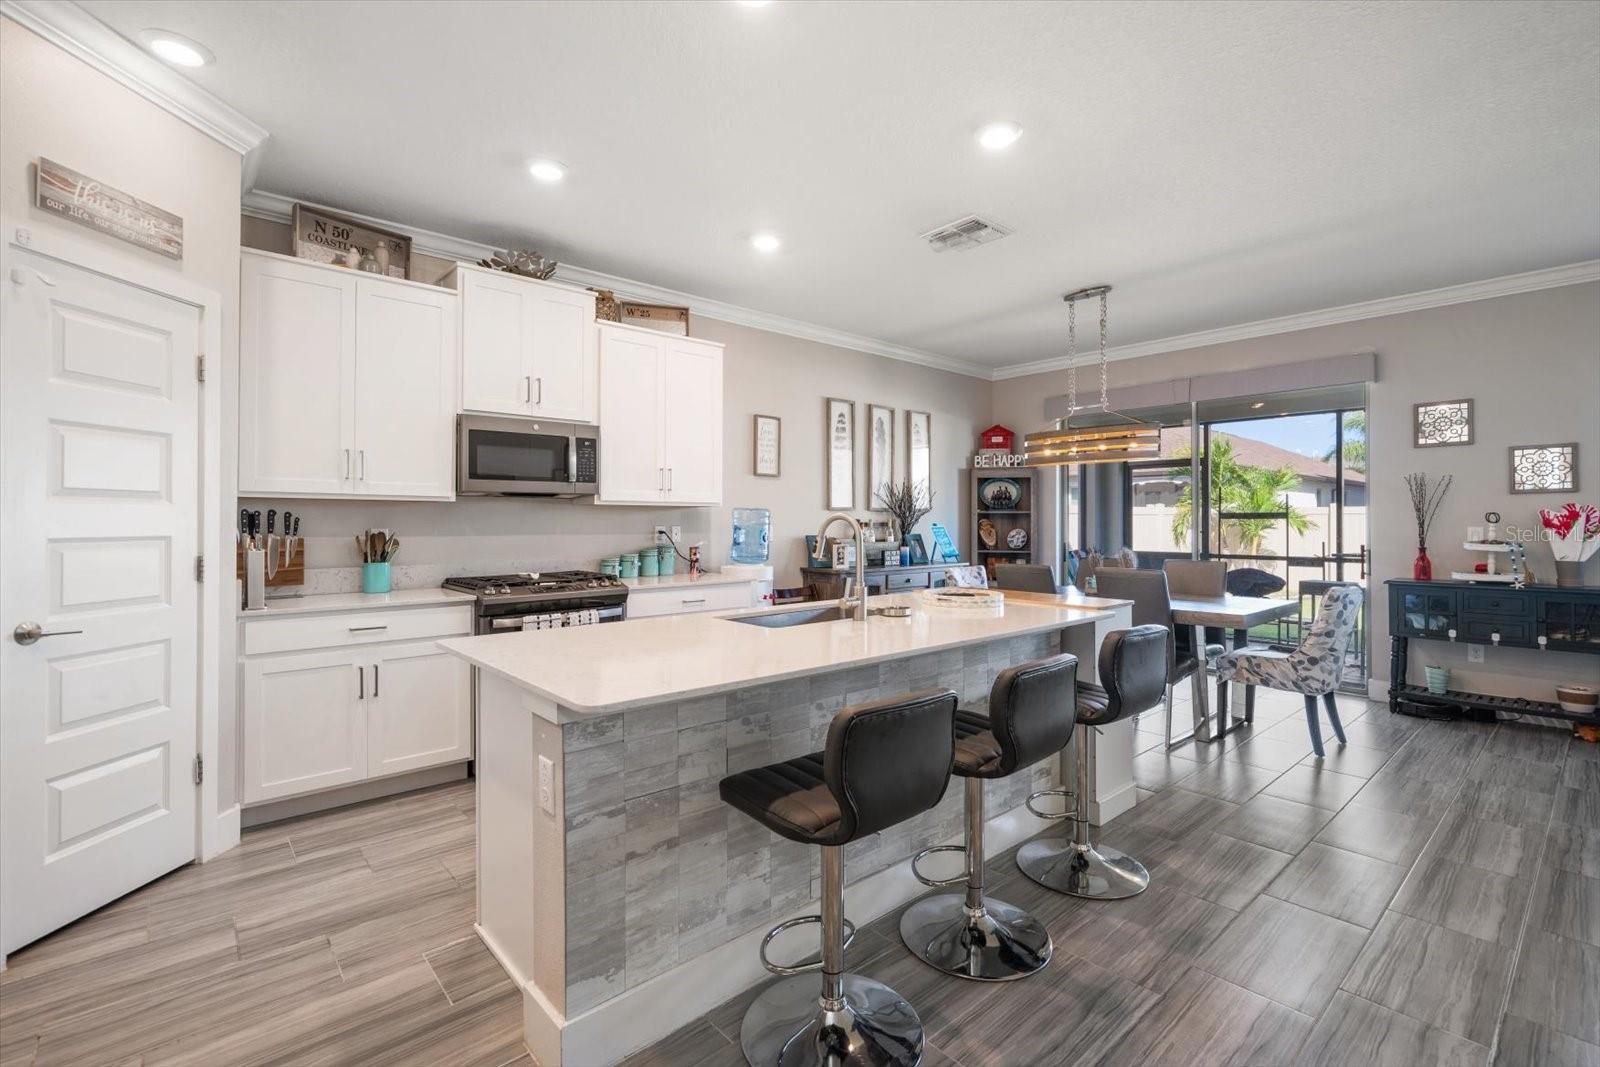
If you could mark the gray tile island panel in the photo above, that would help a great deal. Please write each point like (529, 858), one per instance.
(659, 870)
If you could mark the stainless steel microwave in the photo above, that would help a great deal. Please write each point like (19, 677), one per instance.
(525, 457)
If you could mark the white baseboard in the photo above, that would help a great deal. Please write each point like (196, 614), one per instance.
(1378, 690)
(339, 796)
(651, 1010)
(225, 834)
(1108, 807)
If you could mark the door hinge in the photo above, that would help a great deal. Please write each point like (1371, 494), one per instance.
(199, 568)
(199, 769)
(200, 368)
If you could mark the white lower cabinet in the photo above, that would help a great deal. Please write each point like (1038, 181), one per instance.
(683, 599)
(419, 713)
(320, 717)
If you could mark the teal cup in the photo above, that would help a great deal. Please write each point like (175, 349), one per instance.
(375, 577)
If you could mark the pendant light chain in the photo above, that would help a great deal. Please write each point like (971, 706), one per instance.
(1105, 402)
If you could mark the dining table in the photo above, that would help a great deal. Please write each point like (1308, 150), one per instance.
(1237, 614)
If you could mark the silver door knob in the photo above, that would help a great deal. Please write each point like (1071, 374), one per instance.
(27, 633)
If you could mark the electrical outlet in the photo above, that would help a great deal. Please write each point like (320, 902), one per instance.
(547, 786)
(1474, 653)
(661, 535)
(677, 533)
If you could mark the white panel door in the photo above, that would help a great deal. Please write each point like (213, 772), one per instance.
(99, 458)
(496, 344)
(405, 391)
(563, 353)
(631, 470)
(418, 714)
(297, 346)
(305, 722)
(691, 421)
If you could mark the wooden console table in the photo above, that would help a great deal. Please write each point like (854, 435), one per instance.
(826, 583)
(1543, 617)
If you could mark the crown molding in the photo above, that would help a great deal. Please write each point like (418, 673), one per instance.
(80, 34)
(275, 207)
(1508, 285)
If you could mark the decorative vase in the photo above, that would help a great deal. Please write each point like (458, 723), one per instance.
(1569, 573)
(1422, 567)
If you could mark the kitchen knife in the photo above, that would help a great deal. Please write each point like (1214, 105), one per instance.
(244, 524)
(297, 526)
(272, 521)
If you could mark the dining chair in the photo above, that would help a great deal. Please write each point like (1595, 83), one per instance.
(1313, 669)
(1025, 577)
(1152, 606)
(1200, 577)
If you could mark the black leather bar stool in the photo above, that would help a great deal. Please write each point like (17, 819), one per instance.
(966, 934)
(884, 763)
(1133, 676)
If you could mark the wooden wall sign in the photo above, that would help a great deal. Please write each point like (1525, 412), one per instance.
(663, 317)
(80, 198)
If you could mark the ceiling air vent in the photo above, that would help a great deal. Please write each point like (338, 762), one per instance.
(965, 233)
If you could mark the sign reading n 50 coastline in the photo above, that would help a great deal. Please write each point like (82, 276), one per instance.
(63, 191)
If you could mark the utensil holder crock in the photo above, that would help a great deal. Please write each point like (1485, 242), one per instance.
(374, 577)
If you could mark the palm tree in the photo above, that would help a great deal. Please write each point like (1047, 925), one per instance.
(1236, 487)
(1355, 442)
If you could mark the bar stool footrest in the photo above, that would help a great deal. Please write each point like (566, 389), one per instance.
(803, 920)
(937, 883)
(1071, 811)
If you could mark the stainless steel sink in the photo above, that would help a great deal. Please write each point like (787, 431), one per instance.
(797, 617)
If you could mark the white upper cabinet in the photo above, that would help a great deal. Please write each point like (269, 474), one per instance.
(660, 418)
(347, 383)
(528, 347)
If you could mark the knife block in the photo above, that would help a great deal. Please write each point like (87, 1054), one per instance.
(292, 573)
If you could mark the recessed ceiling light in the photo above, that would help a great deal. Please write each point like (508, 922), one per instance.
(547, 170)
(999, 135)
(767, 243)
(177, 49)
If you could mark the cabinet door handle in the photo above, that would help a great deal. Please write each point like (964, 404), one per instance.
(540, 383)
(361, 683)
(347, 464)
(527, 388)
(362, 454)
(374, 679)
(696, 600)
(661, 479)
(669, 479)
(364, 629)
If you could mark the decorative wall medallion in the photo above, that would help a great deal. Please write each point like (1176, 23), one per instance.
(1544, 468)
(1445, 422)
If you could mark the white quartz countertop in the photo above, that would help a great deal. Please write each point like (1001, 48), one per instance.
(682, 578)
(400, 598)
(613, 667)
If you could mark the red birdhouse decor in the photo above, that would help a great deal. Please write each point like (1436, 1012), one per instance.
(996, 439)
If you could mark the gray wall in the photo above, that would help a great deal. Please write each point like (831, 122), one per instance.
(1532, 364)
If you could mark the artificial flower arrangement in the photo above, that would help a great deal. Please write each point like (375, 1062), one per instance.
(1574, 531)
(1574, 537)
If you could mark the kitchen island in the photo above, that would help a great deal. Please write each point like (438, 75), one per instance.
(614, 885)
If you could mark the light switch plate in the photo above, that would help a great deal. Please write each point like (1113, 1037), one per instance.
(1474, 653)
(677, 533)
(547, 786)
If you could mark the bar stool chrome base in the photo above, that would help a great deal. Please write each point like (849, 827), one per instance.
(787, 1026)
(998, 942)
(1083, 870)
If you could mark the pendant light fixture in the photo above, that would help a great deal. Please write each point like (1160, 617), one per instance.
(1066, 445)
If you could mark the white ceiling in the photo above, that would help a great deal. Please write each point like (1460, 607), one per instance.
(1219, 163)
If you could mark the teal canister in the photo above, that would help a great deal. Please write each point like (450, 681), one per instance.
(628, 565)
(649, 564)
(666, 558)
(609, 565)
(374, 577)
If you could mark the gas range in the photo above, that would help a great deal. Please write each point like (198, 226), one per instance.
(547, 599)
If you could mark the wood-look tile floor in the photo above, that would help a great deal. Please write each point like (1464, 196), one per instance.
(340, 938)
(1428, 895)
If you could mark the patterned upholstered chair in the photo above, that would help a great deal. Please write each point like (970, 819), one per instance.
(966, 577)
(1313, 669)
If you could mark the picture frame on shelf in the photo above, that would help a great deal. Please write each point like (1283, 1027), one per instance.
(767, 458)
(839, 433)
(323, 237)
(943, 545)
(880, 454)
(919, 450)
(919, 550)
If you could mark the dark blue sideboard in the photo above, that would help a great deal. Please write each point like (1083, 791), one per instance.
(1539, 616)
